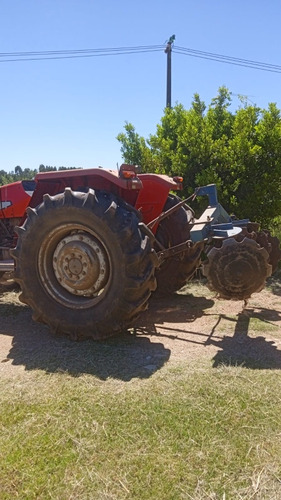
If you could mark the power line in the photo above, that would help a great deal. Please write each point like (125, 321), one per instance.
(108, 49)
(72, 54)
(140, 49)
(247, 63)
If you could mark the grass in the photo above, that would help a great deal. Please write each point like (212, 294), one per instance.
(274, 281)
(12, 305)
(181, 434)
(192, 429)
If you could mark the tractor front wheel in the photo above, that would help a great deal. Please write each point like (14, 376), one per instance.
(83, 264)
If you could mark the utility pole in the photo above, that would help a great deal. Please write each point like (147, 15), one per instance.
(168, 51)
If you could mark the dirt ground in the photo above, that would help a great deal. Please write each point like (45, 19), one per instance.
(190, 326)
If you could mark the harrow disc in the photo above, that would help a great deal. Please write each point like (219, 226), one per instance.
(265, 240)
(272, 246)
(237, 269)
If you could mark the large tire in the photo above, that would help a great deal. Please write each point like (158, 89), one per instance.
(84, 265)
(174, 273)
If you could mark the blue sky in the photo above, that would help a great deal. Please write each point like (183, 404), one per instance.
(68, 112)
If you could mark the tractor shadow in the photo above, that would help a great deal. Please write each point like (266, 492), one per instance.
(143, 351)
(241, 349)
(130, 355)
(33, 346)
(123, 357)
(174, 309)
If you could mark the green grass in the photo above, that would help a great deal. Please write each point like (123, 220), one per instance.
(191, 432)
(87, 421)
(259, 325)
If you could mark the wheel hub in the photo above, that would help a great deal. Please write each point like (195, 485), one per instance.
(80, 264)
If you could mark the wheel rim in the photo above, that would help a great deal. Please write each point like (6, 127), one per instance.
(74, 266)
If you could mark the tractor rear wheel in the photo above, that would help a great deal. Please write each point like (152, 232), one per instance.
(83, 264)
(174, 273)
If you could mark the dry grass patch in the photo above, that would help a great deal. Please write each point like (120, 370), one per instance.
(185, 433)
(187, 408)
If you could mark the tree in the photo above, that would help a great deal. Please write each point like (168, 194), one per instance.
(5, 178)
(239, 151)
(18, 170)
(43, 168)
(132, 145)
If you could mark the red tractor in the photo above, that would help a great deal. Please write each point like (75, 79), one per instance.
(90, 246)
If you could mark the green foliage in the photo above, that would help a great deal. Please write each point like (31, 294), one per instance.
(20, 174)
(49, 168)
(135, 149)
(46, 168)
(239, 151)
